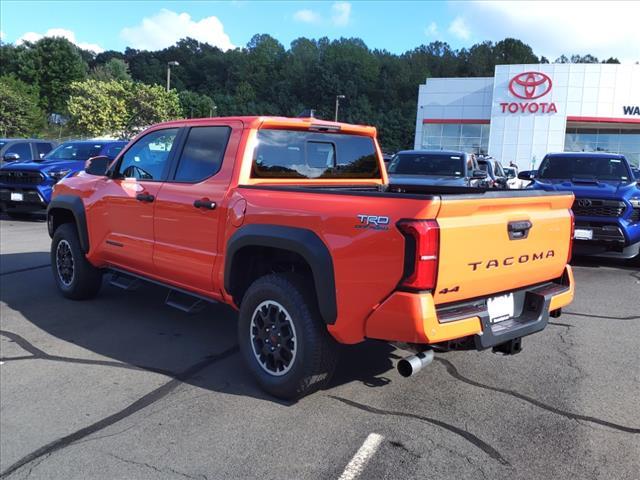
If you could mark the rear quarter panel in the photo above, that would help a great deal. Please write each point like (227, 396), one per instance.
(368, 263)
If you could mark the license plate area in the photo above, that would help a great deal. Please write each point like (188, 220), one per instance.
(17, 197)
(500, 308)
(583, 234)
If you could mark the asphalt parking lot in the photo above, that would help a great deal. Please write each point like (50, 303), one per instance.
(123, 387)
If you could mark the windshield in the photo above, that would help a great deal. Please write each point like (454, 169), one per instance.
(74, 151)
(584, 168)
(427, 164)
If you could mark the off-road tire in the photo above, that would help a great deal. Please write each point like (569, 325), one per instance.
(85, 280)
(316, 352)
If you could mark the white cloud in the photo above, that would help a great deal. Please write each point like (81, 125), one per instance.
(432, 30)
(603, 29)
(166, 27)
(341, 13)
(307, 16)
(1, 35)
(459, 28)
(59, 32)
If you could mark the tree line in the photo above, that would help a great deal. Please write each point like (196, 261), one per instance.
(119, 92)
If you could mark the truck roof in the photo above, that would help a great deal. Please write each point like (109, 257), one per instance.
(434, 152)
(277, 122)
(585, 155)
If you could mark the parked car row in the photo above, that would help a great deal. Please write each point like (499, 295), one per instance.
(606, 189)
(27, 179)
(607, 200)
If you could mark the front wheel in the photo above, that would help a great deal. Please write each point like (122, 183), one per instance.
(75, 277)
(283, 339)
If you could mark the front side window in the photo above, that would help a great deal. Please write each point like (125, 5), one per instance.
(148, 158)
(202, 153)
(427, 164)
(302, 154)
(21, 149)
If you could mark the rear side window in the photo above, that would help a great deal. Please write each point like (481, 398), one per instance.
(43, 149)
(299, 154)
(202, 153)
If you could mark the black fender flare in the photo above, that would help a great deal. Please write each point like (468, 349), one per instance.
(74, 205)
(302, 241)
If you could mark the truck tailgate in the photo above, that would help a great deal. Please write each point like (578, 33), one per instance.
(485, 247)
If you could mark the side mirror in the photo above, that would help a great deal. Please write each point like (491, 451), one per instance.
(527, 175)
(479, 175)
(97, 165)
(11, 157)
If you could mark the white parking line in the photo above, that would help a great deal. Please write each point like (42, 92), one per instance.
(362, 456)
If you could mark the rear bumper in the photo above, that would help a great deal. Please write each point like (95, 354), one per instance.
(414, 318)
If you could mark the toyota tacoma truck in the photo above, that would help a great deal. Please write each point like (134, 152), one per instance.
(292, 222)
(607, 200)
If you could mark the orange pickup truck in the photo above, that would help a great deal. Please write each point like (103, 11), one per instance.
(292, 222)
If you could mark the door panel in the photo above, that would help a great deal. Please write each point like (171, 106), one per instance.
(129, 199)
(129, 240)
(186, 235)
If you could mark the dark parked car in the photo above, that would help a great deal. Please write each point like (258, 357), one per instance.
(436, 167)
(494, 171)
(26, 186)
(24, 149)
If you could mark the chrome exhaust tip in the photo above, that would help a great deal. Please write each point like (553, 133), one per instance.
(411, 365)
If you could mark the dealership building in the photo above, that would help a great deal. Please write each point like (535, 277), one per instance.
(526, 111)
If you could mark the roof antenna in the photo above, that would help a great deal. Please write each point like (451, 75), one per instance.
(307, 113)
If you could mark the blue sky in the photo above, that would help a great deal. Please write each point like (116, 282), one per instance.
(551, 28)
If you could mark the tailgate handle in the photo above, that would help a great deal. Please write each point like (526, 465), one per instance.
(519, 230)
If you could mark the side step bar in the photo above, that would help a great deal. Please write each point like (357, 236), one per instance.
(183, 300)
(125, 282)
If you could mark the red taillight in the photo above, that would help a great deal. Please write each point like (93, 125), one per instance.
(573, 232)
(421, 255)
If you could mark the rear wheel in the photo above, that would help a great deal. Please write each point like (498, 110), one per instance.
(75, 277)
(283, 339)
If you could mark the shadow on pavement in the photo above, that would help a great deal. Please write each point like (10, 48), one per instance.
(136, 329)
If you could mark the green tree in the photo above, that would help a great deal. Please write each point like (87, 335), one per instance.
(98, 108)
(52, 64)
(20, 115)
(119, 108)
(195, 105)
(149, 104)
(113, 69)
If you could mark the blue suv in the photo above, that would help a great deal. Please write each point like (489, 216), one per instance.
(607, 203)
(26, 187)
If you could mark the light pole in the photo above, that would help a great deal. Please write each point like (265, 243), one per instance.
(338, 98)
(170, 64)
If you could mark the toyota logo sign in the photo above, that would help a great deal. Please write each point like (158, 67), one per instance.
(530, 85)
(584, 202)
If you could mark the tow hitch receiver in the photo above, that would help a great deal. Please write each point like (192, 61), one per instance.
(509, 348)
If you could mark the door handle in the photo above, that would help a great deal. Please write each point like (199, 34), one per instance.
(145, 197)
(205, 203)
